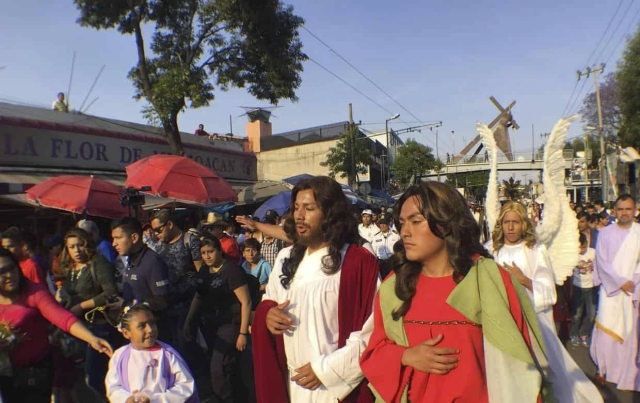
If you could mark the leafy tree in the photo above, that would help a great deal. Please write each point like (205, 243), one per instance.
(475, 183)
(628, 78)
(340, 159)
(413, 159)
(513, 189)
(611, 116)
(578, 144)
(198, 45)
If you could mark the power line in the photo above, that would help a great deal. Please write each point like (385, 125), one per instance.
(604, 34)
(613, 33)
(572, 101)
(368, 79)
(624, 35)
(351, 86)
(576, 104)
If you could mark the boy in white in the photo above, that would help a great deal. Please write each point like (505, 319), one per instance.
(585, 295)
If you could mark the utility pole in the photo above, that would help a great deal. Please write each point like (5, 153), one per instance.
(352, 139)
(533, 147)
(603, 154)
(453, 145)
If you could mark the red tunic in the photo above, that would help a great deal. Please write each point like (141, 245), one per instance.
(466, 383)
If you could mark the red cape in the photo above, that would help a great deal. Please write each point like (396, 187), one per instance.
(358, 285)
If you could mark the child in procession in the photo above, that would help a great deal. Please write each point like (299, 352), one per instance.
(254, 264)
(147, 370)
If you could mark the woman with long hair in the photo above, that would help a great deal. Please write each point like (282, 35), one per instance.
(223, 302)
(89, 282)
(442, 320)
(25, 310)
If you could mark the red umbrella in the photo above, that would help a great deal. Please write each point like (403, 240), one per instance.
(79, 194)
(179, 178)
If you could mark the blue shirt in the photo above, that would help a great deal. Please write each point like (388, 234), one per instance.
(262, 269)
(105, 249)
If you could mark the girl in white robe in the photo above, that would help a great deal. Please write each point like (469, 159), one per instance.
(146, 370)
(569, 383)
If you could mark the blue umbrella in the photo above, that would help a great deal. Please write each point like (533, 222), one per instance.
(297, 178)
(279, 203)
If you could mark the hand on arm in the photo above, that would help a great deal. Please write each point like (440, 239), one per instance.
(519, 275)
(278, 322)
(426, 357)
(81, 332)
(306, 378)
(628, 287)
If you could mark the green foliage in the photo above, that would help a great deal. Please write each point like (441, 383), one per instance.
(611, 116)
(628, 78)
(413, 159)
(475, 183)
(513, 189)
(339, 158)
(578, 144)
(198, 46)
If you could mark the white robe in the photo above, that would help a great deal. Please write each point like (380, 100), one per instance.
(149, 379)
(314, 338)
(570, 384)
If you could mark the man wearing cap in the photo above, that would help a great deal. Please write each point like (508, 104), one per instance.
(215, 224)
(367, 229)
(383, 243)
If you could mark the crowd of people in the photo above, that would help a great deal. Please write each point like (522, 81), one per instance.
(323, 304)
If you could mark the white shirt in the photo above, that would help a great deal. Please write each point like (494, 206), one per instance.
(147, 379)
(367, 232)
(383, 244)
(583, 273)
(314, 337)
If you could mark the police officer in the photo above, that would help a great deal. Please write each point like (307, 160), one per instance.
(382, 243)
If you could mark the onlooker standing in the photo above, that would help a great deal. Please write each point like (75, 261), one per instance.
(367, 229)
(90, 280)
(254, 264)
(383, 243)
(585, 296)
(201, 131)
(214, 225)
(270, 246)
(223, 301)
(59, 104)
(590, 233)
(181, 252)
(27, 308)
(13, 241)
(102, 246)
(146, 275)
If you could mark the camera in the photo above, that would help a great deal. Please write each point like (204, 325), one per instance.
(112, 299)
(132, 197)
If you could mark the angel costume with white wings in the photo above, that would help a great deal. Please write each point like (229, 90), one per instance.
(549, 262)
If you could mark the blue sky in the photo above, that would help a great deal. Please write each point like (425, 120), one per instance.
(439, 59)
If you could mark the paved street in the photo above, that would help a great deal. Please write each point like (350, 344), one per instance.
(610, 393)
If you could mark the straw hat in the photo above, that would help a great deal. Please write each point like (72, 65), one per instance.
(214, 219)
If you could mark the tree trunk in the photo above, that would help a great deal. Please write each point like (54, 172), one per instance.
(173, 134)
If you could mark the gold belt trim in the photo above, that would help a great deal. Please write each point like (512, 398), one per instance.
(610, 332)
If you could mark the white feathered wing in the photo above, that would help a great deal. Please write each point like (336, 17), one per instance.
(492, 202)
(559, 228)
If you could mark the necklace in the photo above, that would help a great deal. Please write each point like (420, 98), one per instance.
(75, 274)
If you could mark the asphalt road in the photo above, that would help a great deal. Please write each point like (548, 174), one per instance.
(609, 392)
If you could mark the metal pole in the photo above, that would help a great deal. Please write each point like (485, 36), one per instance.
(386, 176)
(437, 154)
(600, 133)
(352, 139)
(453, 146)
(533, 147)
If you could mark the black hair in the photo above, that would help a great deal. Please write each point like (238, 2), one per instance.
(583, 239)
(22, 282)
(128, 225)
(129, 311)
(594, 217)
(252, 243)
(14, 234)
(212, 241)
(582, 214)
(164, 216)
(599, 203)
(625, 197)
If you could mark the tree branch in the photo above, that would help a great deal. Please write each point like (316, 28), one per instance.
(142, 59)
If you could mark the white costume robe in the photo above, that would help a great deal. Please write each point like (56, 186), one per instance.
(149, 380)
(314, 337)
(570, 384)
